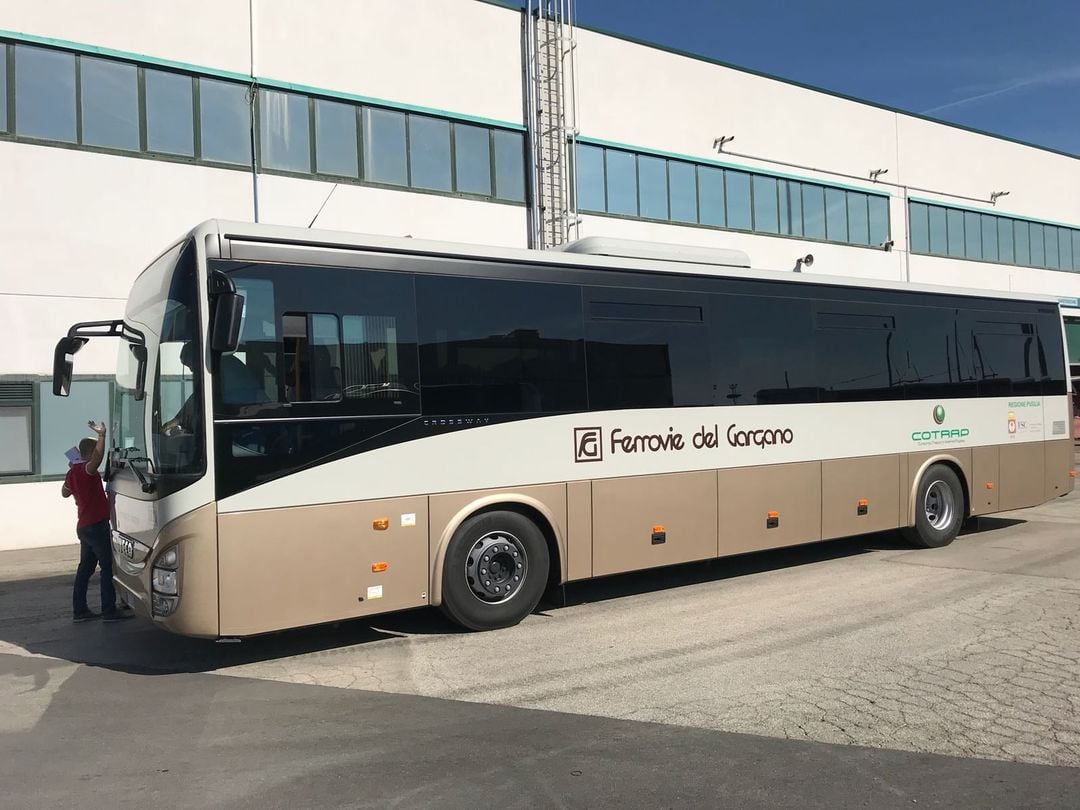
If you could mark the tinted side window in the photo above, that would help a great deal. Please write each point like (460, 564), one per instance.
(647, 350)
(932, 359)
(320, 341)
(763, 350)
(1006, 354)
(1050, 340)
(490, 346)
(856, 347)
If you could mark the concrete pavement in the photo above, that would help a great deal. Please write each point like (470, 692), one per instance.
(851, 673)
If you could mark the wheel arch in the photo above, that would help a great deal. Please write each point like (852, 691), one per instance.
(949, 461)
(525, 506)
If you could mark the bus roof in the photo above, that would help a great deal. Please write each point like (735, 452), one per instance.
(602, 253)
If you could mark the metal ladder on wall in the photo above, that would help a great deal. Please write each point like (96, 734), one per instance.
(551, 112)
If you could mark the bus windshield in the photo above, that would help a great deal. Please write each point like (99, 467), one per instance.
(162, 435)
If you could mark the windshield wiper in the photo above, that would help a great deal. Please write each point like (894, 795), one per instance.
(144, 482)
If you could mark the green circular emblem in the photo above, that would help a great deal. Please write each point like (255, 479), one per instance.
(939, 414)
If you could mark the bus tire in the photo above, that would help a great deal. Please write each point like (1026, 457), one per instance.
(939, 508)
(495, 571)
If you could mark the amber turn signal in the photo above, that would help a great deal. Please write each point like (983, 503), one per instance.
(772, 514)
(863, 502)
(989, 484)
(380, 524)
(379, 567)
(657, 529)
(1072, 473)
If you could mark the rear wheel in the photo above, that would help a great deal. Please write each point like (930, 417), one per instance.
(939, 508)
(495, 571)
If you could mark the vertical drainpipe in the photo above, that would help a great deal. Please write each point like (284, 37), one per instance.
(528, 45)
(253, 90)
(903, 189)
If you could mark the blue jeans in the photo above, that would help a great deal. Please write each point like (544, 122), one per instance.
(96, 543)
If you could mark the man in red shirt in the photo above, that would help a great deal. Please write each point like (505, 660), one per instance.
(95, 539)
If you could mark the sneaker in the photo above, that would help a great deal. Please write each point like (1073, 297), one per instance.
(119, 614)
(85, 616)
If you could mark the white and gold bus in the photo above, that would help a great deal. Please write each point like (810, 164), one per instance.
(315, 426)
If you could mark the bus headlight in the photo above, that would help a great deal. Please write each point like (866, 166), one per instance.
(168, 560)
(164, 581)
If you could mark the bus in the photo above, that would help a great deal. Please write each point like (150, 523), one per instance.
(313, 426)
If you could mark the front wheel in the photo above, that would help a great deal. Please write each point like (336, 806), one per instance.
(495, 571)
(939, 508)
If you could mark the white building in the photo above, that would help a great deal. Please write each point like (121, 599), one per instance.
(124, 123)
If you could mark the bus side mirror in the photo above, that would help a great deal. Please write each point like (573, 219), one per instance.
(139, 352)
(228, 315)
(64, 363)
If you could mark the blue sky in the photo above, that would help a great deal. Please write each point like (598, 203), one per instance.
(1009, 67)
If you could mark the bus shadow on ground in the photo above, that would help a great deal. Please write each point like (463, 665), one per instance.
(35, 613)
(658, 579)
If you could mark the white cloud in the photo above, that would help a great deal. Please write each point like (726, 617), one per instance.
(1061, 75)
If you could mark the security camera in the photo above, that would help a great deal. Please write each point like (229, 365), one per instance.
(887, 244)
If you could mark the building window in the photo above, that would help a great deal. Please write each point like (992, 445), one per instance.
(879, 220)
(919, 228)
(3, 88)
(652, 187)
(224, 122)
(813, 198)
(964, 234)
(989, 237)
(284, 138)
(472, 159)
(858, 218)
(122, 106)
(972, 235)
(766, 205)
(737, 199)
(385, 156)
(836, 215)
(791, 219)
(63, 420)
(45, 94)
(109, 95)
(617, 181)
(1038, 244)
(16, 428)
(509, 165)
(170, 119)
(429, 153)
(335, 139)
(683, 185)
(589, 176)
(620, 172)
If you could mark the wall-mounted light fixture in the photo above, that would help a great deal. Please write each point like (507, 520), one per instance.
(718, 143)
(876, 173)
(995, 194)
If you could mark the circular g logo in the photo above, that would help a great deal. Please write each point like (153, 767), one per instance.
(939, 414)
